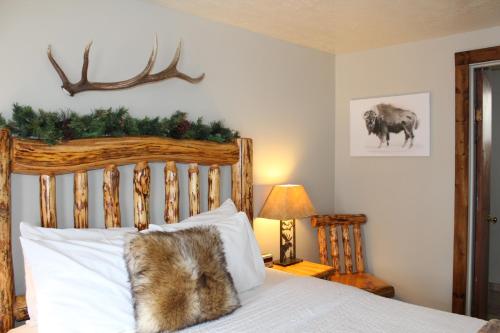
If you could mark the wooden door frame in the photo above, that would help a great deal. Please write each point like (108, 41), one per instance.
(463, 60)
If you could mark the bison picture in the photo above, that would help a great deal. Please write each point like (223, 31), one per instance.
(386, 119)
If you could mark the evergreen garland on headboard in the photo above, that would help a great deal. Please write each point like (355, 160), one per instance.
(54, 127)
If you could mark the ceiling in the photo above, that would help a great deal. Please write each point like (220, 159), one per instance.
(340, 26)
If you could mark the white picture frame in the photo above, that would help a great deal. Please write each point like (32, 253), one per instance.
(404, 119)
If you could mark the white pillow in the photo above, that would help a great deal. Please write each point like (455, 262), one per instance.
(30, 231)
(82, 286)
(244, 261)
(227, 209)
(38, 233)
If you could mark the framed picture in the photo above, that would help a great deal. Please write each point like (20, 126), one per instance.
(391, 126)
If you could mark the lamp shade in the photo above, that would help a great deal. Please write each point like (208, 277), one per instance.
(286, 202)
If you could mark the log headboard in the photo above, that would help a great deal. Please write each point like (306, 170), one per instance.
(78, 156)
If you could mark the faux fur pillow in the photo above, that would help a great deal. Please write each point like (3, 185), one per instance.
(179, 279)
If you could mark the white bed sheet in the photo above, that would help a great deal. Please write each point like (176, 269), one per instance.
(287, 303)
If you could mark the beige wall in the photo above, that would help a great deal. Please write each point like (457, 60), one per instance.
(277, 93)
(409, 201)
(281, 95)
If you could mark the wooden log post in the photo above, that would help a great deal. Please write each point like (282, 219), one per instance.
(6, 269)
(334, 248)
(242, 178)
(48, 214)
(194, 189)
(142, 177)
(347, 249)
(111, 196)
(323, 254)
(171, 214)
(358, 248)
(213, 187)
(81, 204)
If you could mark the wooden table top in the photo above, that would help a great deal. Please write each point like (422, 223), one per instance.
(307, 268)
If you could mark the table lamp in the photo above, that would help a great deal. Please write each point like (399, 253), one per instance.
(287, 203)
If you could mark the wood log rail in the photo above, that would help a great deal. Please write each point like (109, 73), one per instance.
(358, 248)
(6, 265)
(79, 156)
(347, 248)
(142, 178)
(171, 214)
(48, 211)
(36, 157)
(111, 196)
(334, 249)
(21, 309)
(323, 255)
(81, 203)
(213, 187)
(318, 220)
(194, 189)
(242, 178)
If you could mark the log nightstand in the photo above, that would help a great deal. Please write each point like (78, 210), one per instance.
(307, 268)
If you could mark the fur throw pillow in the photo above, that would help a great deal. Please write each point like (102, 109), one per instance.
(493, 326)
(179, 279)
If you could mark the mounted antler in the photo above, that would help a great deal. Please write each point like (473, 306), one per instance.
(144, 77)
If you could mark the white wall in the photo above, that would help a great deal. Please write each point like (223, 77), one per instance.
(279, 94)
(409, 201)
(494, 264)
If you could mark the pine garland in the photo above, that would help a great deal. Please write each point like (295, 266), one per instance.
(54, 127)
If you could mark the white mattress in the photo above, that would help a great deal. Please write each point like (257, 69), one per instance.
(287, 303)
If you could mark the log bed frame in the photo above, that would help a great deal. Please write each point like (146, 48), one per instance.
(78, 156)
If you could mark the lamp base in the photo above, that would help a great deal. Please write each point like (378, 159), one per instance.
(288, 262)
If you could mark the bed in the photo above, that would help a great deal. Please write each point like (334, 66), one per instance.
(287, 303)
(283, 303)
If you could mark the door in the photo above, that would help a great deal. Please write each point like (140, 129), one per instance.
(483, 115)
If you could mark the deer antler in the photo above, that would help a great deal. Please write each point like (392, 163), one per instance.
(143, 77)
